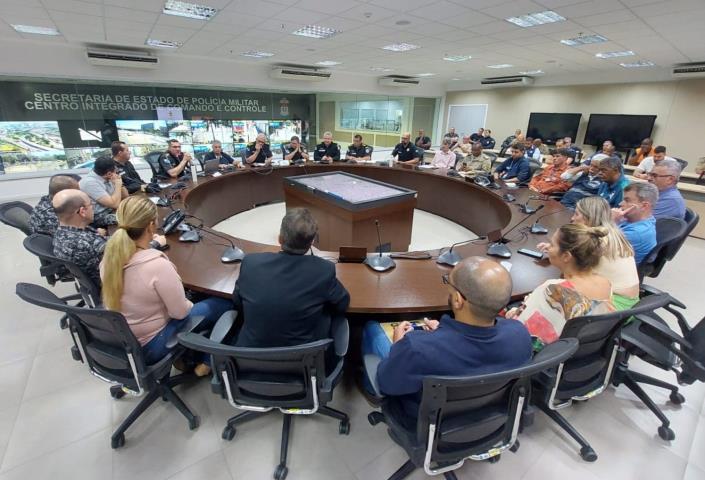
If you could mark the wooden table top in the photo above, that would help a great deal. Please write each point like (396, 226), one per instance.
(414, 285)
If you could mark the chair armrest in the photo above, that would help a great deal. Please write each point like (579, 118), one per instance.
(649, 290)
(662, 330)
(340, 331)
(191, 325)
(371, 363)
(223, 326)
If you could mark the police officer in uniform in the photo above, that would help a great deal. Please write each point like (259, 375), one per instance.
(124, 167)
(258, 152)
(327, 151)
(406, 152)
(173, 163)
(295, 152)
(358, 150)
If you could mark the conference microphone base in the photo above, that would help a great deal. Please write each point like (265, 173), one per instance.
(538, 228)
(380, 263)
(499, 250)
(232, 255)
(190, 236)
(448, 258)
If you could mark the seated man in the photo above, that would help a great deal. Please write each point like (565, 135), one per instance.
(475, 137)
(444, 158)
(464, 147)
(532, 152)
(665, 176)
(74, 240)
(550, 179)
(258, 152)
(405, 152)
(613, 181)
(173, 163)
(104, 187)
(358, 150)
(327, 151)
(538, 143)
(585, 182)
(568, 143)
(642, 171)
(645, 150)
(125, 169)
(217, 153)
(422, 141)
(452, 137)
(510, 139)
(295, 151)
(516, 167)
(608, 149)
(288, 298)
(473, 340)
(635, 218)
(487, 141)
(476, 161)
(43, 217)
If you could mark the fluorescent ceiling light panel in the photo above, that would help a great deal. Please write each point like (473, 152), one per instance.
(400, 47)
(152, 42)
(583, 40)
(531, 72)
(189, 10)
(534, 19)
(328, 63)
(501, 65)
(457, 58)
(424, 74)
(315, 31)
(381, 69)
(253, 54)
(640, 63)
(36, 30)
(626, 53)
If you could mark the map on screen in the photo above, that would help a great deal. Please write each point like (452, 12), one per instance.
(350, 189)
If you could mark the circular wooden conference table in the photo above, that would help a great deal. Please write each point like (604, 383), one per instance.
(414, 286)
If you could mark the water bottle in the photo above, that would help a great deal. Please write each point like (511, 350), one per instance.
(194, 175)
(390, 160)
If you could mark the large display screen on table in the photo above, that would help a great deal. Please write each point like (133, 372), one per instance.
(625, 131)
(549, 127)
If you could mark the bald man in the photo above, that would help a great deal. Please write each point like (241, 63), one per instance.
(471, 341)
(43, 218)
(406, 152)
(258, 152)
(75, 240)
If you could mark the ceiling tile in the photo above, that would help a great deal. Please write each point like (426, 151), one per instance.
(673, 6)
(513, 9)
(616, 16)
(75, 6)
(300, 15)
(375, 13)
(327, 6)
(171, 34)
(149, 5)
(140, 16)
(172, 21)
(587, 8)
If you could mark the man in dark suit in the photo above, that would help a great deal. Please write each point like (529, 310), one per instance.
(288, 298)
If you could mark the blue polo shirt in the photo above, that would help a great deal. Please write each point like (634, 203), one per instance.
(614, 194)
(512, 168)
(670, 204)
(642, 236)
(453, 349)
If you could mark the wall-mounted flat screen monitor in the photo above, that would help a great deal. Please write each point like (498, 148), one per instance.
(625, 131)
(549, 127)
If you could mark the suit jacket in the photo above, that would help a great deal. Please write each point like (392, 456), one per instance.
(287, 299)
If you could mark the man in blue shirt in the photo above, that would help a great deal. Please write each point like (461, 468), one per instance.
(613, 181)
(635, 218)
(515, 167)
(471, 341)
(665, 176)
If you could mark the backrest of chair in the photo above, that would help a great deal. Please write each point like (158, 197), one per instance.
(43, 247)
(683, 163)
(534, 166)
(152, 159)
(492, 156)
(668, 233)
(696, 338)
(691, 221)
(90, 292)
(16, 214)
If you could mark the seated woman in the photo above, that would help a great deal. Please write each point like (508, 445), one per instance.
(617, 263)
(140, 282)
(575, 250)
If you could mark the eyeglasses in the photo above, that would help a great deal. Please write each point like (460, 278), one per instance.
(655, 175)
(446, 281)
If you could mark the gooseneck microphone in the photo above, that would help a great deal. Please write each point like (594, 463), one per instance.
(498, 248)
(380, 263)
(449, 257)
(232, 253)
(538, 228)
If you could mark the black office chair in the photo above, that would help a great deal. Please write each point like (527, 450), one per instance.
(87, 288)
(493, 156)
(476, 417)
(104, 342)
(534, 166)
(152, 159)
(650, 338)
(293, 380)
(691, 221)
(682, 162)
(16, 214)
(669, 232)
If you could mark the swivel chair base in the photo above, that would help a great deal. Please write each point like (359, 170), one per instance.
(586, 451)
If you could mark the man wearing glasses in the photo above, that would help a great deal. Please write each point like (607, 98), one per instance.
(665, 176)
(473, 340)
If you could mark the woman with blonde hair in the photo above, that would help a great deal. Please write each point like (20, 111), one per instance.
(575, 250)
(140, 282)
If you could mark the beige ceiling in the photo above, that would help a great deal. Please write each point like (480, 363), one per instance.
(662, 31)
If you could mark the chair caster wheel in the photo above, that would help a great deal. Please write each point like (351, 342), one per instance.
(374, 418)
(228, 433)
(194, 423)
(676, 398)
(281, 472)
(117, 392)
(117, 442)
(344, 427)
(494, 459)
(666, 433)
(588, 454)
(63, 323)
(76, 354)
(515, 447)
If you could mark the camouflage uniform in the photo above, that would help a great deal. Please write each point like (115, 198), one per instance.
(43, 218)
(82, 246)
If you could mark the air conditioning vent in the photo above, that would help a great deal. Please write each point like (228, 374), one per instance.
(689, 70)
(118, 58)
(398, 81)
(291, 73)
(512, 81)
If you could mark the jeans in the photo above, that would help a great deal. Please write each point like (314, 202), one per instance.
(375, 342)
(211, 308)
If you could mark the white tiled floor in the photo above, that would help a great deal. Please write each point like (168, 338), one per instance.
(56, 420)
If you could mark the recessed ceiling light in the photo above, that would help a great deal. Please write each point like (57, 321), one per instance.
(500, 65)
(381, 69)
(36, 30)
(315, 31)
(583, 40)
(400, 47)
(424, 74)
(254, 54)
(626, 53)
(640, 63)
(328, 63)
(403, 22)
(152, 42)
(455, 79)
(533, 19)
(531, 72)
(188, 10)
(457, 58)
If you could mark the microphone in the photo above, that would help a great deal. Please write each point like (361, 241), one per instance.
(380, 263)
(232, 253)
(450, 257)
(538, 228)
(498, 248)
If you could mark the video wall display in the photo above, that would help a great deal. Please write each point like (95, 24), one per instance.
(31, 146)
